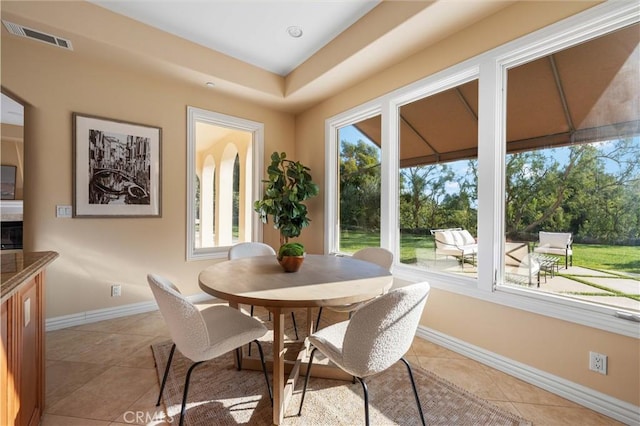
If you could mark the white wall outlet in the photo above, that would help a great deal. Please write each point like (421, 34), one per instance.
(116, 290)
(598, 362)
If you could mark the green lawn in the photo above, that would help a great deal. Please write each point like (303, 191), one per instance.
(602, 257)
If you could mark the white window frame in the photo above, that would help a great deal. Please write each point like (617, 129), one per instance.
(195, 115)
(490, 68)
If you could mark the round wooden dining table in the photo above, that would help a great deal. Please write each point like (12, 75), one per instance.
(323, 281)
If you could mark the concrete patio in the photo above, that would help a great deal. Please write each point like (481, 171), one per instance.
(596, 286)
(602, 287)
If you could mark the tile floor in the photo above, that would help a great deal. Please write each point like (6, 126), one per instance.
(103, 373)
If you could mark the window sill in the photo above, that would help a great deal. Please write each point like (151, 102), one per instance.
(589, 315)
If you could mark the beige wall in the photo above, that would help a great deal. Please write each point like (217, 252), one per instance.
(94, 253)
(558, 347)
(11, 153)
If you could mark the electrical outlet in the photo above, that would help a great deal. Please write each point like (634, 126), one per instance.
(116, 290)
(598, 362)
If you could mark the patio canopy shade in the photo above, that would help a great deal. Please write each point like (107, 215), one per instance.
(586, 93)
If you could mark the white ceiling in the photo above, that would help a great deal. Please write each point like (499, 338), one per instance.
(253, 31)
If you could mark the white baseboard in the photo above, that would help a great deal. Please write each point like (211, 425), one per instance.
(88, 317)
(594, 400)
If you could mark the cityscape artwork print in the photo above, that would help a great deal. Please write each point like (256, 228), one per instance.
(117, 168)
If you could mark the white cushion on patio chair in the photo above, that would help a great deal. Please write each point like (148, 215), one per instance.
(558, 243)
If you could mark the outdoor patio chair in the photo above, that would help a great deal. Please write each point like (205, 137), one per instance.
(456, 242)
(557, 243)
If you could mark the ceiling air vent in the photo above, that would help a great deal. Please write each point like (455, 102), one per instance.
(23, 31)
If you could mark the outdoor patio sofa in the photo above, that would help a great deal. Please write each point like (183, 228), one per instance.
(557, 243)
(456, 242)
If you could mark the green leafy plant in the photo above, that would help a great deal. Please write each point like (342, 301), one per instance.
(290, 249)
(289, 184)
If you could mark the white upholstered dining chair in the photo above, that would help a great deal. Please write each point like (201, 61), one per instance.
(250, 249)
(376, 337)
(378, 255)
(202, 335)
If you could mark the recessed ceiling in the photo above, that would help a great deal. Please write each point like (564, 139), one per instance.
(243, 47)
(251, 31)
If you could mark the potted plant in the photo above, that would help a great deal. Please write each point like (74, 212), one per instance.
(290, 256)
(289, 184)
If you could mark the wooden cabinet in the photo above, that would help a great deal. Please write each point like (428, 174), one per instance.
(22, 358)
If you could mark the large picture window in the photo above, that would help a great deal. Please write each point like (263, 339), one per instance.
(572, 175)
(438, 151)
(513, 176)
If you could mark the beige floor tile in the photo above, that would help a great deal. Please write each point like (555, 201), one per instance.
(63, 343)
(144, 410)
(151, 324)
(562, 416)
(107, 396)
(143, 357)
(54, 420)
(112, 325)
(517, 390)
(421, 347)
(64, 377)
(507, 406)
(112, 349)
(466, 374)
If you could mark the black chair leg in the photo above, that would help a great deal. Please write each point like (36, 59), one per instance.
(306, 380)
(295, 327)
(318, 319)
(366, 401)
(264, 369)
(415, 390)
(251, 311)
(186, 391)
(166, 373)
(239, 357)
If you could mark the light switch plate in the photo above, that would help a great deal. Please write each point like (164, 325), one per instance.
(63, 211)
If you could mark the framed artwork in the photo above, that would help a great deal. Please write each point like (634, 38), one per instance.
(116, 168)
(8, 182)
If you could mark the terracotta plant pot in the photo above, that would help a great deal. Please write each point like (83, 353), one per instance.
(291, 263)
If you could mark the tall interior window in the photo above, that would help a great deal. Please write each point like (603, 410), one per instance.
(572, 176)
(438, 151)
(359, 182)
(223, 168)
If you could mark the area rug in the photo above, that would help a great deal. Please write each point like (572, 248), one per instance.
(221, 395)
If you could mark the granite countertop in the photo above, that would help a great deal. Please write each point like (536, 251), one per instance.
(18, 267)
